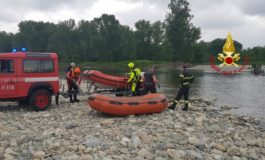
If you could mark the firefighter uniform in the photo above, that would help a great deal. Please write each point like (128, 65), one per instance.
(134, 79)
(73, 82)
(185, 80)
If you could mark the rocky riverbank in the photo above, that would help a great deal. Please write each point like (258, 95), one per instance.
(74, 131)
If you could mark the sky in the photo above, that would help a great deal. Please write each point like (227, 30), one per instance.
(245, 19)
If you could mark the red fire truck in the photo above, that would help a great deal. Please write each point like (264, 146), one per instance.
(29, 78)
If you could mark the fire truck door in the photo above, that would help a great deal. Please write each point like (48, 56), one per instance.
(8, 78)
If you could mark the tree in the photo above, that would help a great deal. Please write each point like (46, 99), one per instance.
(181, 33)
(6, 41)
(143, 36)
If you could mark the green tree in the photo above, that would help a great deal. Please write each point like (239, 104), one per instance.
(143, 36)
(181, 33)
(6, 41)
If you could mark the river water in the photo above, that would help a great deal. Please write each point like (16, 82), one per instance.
(244, 91)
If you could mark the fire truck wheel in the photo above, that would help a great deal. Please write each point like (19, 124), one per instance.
(40, 100)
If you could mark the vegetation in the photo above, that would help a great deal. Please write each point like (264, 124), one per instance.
(104, 39)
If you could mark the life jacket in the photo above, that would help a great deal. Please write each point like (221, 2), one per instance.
(148, 79)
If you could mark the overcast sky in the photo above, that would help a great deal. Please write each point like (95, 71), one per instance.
(245, 19)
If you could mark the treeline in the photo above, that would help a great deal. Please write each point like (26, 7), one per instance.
(105, 39)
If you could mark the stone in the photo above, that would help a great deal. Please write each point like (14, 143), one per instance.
(38, 155)
(11, 152)
(2, 152)
(73, 157)
(144, 137)
(92, 142)
(174, 154)
(193, 154)
(145, 154)
(107, 122)
(213, 128)
(124, 141)
(81, 148)
(236, 158)
(70, 125)
(217, 157)
(136, 141)
(87, 157)
(221, 147)
(233, 151)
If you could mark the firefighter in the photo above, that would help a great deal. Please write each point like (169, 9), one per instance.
(73, 82)
(185, 80)
(149, 81)
(134, 79)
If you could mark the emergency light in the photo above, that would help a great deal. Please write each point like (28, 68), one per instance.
(14, 50)
(23, 49)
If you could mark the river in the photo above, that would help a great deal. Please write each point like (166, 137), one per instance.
(243, 91)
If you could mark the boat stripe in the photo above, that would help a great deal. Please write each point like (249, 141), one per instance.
(42, 79)
(133, 103)
(152, 102)
(115, 102)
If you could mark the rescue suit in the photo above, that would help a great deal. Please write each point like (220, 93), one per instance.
(185, 80)
(134, 79)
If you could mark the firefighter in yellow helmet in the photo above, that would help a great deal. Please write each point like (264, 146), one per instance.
(134, 79)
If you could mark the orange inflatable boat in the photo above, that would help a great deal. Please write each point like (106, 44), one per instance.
(102, 80)
(121, 106)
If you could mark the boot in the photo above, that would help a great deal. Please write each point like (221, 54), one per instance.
(71, 99)
(75, 98)
(173, 106)
(186, 108)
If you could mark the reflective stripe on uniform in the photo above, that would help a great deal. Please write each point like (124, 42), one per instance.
(186, 83)
(181, 75)
(188, 77)
(176, 101)
(186, 102)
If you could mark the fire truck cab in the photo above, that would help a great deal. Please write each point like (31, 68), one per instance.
(29, 78)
